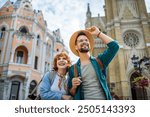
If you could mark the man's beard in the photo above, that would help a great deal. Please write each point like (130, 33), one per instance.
(84, 50)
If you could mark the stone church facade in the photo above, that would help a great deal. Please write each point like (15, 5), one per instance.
(128, 22)
(27, 48)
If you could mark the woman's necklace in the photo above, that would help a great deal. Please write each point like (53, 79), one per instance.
(61, 77)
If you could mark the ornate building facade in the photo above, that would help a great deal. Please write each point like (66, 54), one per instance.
(27, 48)
(128, 22)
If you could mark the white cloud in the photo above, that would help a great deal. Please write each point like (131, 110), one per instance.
(148, 5)
(67, 15)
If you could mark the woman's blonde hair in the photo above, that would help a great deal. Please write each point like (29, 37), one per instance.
(62, 54)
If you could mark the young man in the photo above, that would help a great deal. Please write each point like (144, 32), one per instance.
(91, 83)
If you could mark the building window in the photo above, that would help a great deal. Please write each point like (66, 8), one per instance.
(131, 39)
(24, 30)
(15, 87)
(2, 32)
(36, 62)
(19, 58)
(38, 40)
(26, 6)
(45, 67)
(33, 84)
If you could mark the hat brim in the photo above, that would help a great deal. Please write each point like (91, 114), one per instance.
(74, 37)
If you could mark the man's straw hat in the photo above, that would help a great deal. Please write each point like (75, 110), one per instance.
(74, 37)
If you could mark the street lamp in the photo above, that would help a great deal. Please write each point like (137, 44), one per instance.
(138, 63)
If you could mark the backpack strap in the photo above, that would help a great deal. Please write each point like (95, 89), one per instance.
(100, 63)
(51, 76)
(75, 70)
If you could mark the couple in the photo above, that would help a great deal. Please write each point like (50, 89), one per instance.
(91, 82)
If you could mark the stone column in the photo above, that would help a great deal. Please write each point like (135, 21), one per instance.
(9, 47)
(108, 10)
(34, 40)
(7, 89)
(114, 6)
(146, 31)
(12, 56)
(27, 84)
(43, 52)
(52, 53)
(142, 7)
(4, 47)
(146, 34)
(124, 89)
(43, 56)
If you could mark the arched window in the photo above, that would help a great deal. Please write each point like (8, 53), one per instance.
(32, 86)
(19, 57)
(23, 30)
(2, 32)
(27, 6)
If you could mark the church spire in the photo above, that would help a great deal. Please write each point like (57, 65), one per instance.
(88, 13)
(19, 3)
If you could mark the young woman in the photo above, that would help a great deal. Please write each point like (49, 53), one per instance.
(56, 88)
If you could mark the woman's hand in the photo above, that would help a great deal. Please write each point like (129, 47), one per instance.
(66, 97)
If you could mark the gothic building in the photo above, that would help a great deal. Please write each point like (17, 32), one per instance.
(27, 48)
(128, 22)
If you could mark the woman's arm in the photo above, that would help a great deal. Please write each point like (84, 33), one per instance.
(45, 92)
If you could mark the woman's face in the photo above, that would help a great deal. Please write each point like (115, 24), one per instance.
(62, 62)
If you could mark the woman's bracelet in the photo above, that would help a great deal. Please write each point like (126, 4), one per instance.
(98, 33)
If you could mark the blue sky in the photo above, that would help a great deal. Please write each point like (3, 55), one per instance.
(68, 15)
